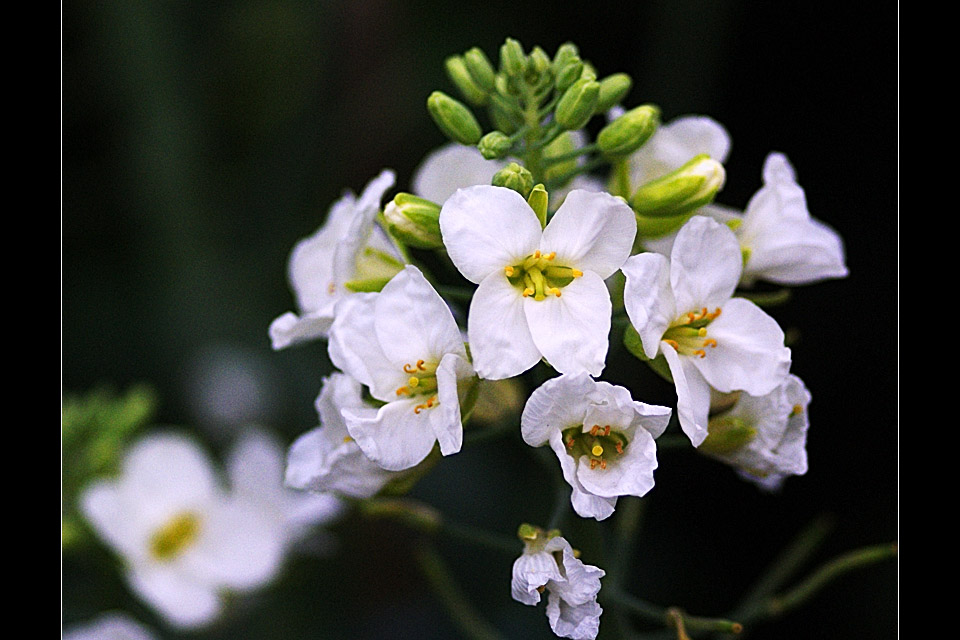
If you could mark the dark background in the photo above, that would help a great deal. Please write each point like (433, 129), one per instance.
(201, 140)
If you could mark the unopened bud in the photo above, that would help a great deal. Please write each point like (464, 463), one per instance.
(565, 52)
(538, 66)
(569, 73)
(578, 104)
(726, 435)
(468, 87)
(627, 133)
(538, 200)
(414, 221)
(513, 61)
(480, 68)
(454, 118)
(690, 187)
(613, 89)
(515, 177)
(495, 145)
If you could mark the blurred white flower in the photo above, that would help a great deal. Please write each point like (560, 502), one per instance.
(683, 308)
(327, 459)
(602, 436)
(115, 625)
(542, 291)
(551, 565)
(674, 144)
(183, 538)
(349, 251)
(764, 437)
(451, 167)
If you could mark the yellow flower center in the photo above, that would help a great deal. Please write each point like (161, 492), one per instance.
(688, 333)
(422, 382)
(538, 277)
(175, 536)
(598, 444)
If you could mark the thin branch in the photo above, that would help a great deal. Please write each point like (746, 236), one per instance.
(670, 616)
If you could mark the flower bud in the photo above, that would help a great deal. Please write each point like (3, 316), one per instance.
(454, 118)
(538, 66)
(538, 201)
(469, 89)
(627, 133)
(578, 104)
(480, 68)
(682, 191)
(515, 177)
(613, 89)
(565, 52)
(414, 221)
(568, 73)
(494, 145)
(513, 61)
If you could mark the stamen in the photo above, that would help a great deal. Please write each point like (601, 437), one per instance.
(347, 439)
(426, 405)
(594, 430)
(701, 353)
(409, 368)
(593, 464)
(508, 270)
(332, 288)
(603, 463)
(420, 365)
(619, 447)
(551, 255)
(570, 443)
(597, 450)
(576, 273)
(797, 410)
(554, 291)
(606, 430)
(674, 344)
(710, 342)
(536, 254)
(528, 292)
(403, 391)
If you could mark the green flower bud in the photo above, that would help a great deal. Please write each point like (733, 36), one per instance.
(627, 133)
(726, 435)
(538, 200)
(569, 73)
(589, 72)
(502, 119)
(515, 177)
(613, 89)
(562, 144)
(538, 66)
(494, 145)
(682, 191)
(578, 104)
(414, 221)
(565, 52)
(454, 118)
(513, 61)
(480, 68)
(469, 89)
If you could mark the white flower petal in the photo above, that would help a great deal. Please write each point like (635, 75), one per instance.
(693, 394)
(796, 252)
(315, 463)
(115, 519)
(572, 331)
(750, 355)
(451, 167)
(592, 232)
(649, 299)
(255, 466)
(629, 474)
(500, 340)
(355, 349)
(581, 582)
(585, 504)
(413, 322)
(674, 144)
(557, 404)
(394, 436)
(487, 228)
(361, 232)
(109, 626)
(579, 622)
(531, 572)
(705, 265)
(445, 419)
(290, 329)
(181, 601)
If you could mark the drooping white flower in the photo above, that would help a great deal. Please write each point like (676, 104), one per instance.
(451, 167)
(403, 344)
(764, 437)
(682, 308)
(184, 539)
(348, 252)
(550, 564)
(779, 240)
(674, 144)
(541, 291)
(115, 625)
(255, 469)
(603, 438)
(327, 459)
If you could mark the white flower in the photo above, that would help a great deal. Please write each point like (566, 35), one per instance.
(765, 437)
(541, 292)
(346, 250)
(674, 144)
(451, 167)
(115, 625)
(403, 344)
(255, 469)
(327, 458)
(603, 438)
(779, 240)
(183, 538)
(572, 586)
(683, 309)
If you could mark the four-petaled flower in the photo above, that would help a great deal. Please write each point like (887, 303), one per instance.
(683, 309)
(542, 291)
(403, 344)
(549, 563)
(602, 436)
(347, 253)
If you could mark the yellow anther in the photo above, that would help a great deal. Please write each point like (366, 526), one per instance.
(409, 368)
(554, 291)
(674, 344)
(426, 405)
(402, 391)
(413, 381)
(420, 366)
(594, 430)
(710, 342)
(797, 410)
(347, 439)
(701, 353)
(576, 273)
(597, 450)
(606, 430)
(536, 254)
(702, 332)
(528, 292)
(508, 270)
(551, 255)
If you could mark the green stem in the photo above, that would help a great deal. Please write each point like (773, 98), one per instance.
(568, 155)
(463, 614)
(621, 176)
(584, 168)
(669, 616)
